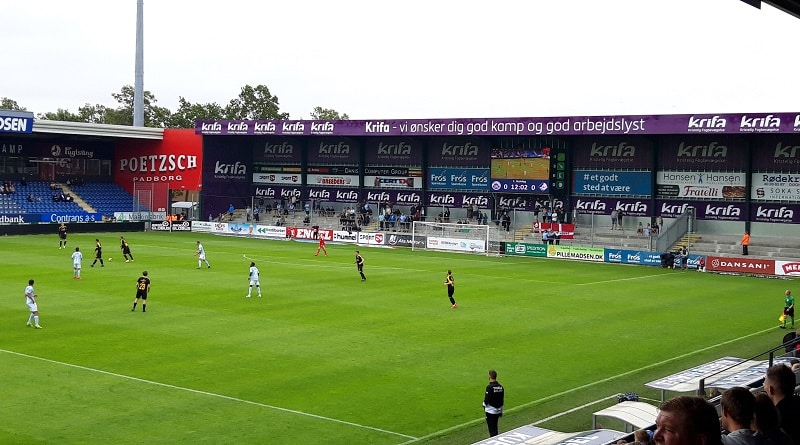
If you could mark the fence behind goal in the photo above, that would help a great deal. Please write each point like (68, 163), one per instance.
(465, 238)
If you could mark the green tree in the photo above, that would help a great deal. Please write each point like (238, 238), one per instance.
(61, 114)
(10, 104)
(187, 113)
(254, 103)
(95, 114)
(154, 116)
(328, 114)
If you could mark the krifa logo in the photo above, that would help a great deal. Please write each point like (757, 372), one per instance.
(283, 148)
(237, 127)
(376, 127)
(322, 127)
(459, 150)
(768, 121)
(230, 169)
(401, 148)
(712, 150)
(442, 199)
(613, 151)
(264, 127)
(707, 123)
(340, 148)
(595, 205)
(214, 127)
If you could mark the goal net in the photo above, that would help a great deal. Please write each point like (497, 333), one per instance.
(449, 237)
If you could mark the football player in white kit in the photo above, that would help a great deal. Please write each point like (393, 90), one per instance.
(30, 300)
(77, 258)
(201, 256)
(254, 280)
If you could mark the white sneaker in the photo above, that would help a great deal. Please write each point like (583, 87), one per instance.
(247, 296)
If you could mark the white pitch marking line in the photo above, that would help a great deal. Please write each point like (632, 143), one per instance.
(620, 279)
(588, 385)
(206, 393)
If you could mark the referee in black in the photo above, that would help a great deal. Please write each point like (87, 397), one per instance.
(493, 402)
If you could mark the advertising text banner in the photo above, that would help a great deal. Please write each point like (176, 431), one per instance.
(741, 265)
(453, 178)
(458, 152)
(458, 200)
(609, 182)
(332, 194)
(775, 187)
(672, 184)
(397, 197)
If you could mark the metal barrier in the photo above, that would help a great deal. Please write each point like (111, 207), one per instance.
(670, 235)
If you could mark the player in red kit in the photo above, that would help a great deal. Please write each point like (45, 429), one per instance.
(321, 246)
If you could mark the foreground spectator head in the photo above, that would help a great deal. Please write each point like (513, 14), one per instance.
(687, 420)
(738, 405)
(780, 382)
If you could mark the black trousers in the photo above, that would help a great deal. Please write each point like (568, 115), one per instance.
(491, 422)
(744, 249)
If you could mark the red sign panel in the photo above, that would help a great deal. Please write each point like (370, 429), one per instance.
(177, 160)
(740, 265)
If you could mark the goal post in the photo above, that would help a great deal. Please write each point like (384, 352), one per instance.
(461, 238)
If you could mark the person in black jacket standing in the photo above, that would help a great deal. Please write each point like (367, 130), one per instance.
(493, 402)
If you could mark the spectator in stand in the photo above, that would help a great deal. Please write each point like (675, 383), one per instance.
(766, 422)
(683, 254)
(780, 385)
(614, 219)
(248, 213)
(231, 209)
(256, 211)
(738, 405)
(687, 420)
(640, 229)
(447, 214)
(620, 214)
(545, 235)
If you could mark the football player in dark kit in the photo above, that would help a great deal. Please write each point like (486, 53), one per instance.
(98, 253)
(360, 265)
(451, 288)
(126, 250)
(142, 289)
(62, 236)
(493, 402)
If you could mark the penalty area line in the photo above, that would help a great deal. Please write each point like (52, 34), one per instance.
(209, 394)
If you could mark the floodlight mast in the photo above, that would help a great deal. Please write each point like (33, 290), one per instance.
(138, 86)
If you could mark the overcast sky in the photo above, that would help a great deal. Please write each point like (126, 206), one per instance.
(410, 58)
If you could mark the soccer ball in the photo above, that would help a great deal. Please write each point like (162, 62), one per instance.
(109, 259)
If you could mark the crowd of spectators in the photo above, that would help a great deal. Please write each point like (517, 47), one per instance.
(7, 188)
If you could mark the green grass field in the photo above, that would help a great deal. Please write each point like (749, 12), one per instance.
(325, 358)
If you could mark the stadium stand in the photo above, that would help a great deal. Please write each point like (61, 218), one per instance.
(107, 198)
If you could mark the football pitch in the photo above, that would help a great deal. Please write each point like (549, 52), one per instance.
(324, 358)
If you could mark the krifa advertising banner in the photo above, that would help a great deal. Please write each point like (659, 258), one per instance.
(727, 123)
(277, 192)
(713, 211)
(226, 173)
(331, 194)
(777, 153)
(686, 152)
(398, 197)
(458, 152)
(775, 187)
(701, 185)
(458, 200)
(613, 152)
(393, 151)
(605, 182)
(277, 151)
(516, 202)
(464, 178)
(333, 151)
(604, 206)
(775, 213)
